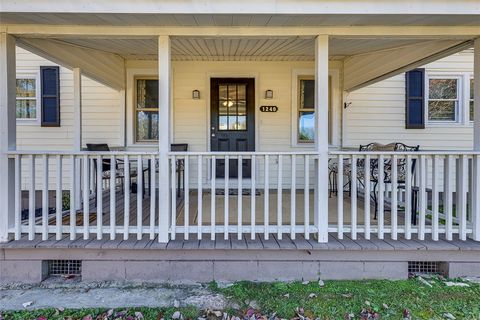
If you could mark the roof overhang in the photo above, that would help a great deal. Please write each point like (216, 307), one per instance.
(276, 7)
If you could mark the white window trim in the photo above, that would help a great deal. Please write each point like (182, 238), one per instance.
(135, 110)
(31, 121)
(132, 74)
(468, 77)
(463, 103)
(335, 118)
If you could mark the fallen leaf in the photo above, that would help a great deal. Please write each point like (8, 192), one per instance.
(425, 282)
(27, 304)
(456, 284)
(287, 295)
(448, 315)
(385, 306)
(312, 295)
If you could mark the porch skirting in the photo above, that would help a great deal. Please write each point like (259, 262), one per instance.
(182, 264)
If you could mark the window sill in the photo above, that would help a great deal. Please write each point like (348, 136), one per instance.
(28, 122)
(449, 125)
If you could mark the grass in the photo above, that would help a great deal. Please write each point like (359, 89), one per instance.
(332, 301)
(337, 298)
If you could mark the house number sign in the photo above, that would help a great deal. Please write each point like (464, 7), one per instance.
(268, 108)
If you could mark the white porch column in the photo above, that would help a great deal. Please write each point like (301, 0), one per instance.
(7, 132)
(164, 81)
(77, 131)
(476, 140)
(77, 109)
(321, 135)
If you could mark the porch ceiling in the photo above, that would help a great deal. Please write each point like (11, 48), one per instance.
(245, 48)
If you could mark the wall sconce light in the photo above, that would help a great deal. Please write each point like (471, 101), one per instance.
(196, 94)
(269, 94)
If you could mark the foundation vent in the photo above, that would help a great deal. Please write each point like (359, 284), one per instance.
(65, 267)
(426, 267)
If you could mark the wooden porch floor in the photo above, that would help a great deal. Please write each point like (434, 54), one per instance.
(273, 243)
(246, 243)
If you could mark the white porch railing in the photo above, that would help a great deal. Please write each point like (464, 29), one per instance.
(83, 192)
(65, 194)
(434, 193)
(275, 196)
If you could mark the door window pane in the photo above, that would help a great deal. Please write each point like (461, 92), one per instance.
(232, 107)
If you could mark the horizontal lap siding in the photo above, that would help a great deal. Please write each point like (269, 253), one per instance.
(101, 119)
(377, 113)
(273, 130)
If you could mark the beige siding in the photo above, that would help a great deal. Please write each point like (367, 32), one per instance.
(101, 118)
(377, 113)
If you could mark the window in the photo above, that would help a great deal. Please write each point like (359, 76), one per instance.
(471, 100)
(306, 110)
(26, 98)
(443, 99)
(146, 110)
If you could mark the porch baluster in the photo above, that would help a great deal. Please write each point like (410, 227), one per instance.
(394, 204)
(199, 197)
(306, 197)
(18, 197)
(186, 193)
(99, 197)
(240, 198)
(366, 196)
(86, 198)
(226, 197)
(113, 199)
(340, 197)
(279, 197)
(353, 199)
(126, 204)
(266, 197)
(58, 198)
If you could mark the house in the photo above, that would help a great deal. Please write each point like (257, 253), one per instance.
(199, 140)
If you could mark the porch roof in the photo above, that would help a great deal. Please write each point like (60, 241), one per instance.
(243, 13)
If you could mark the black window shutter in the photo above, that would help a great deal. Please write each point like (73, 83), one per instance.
(50, 95)
(415, 99)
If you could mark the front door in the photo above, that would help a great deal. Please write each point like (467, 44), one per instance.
(232, 121)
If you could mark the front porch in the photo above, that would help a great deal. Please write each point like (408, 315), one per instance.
(272, 99)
